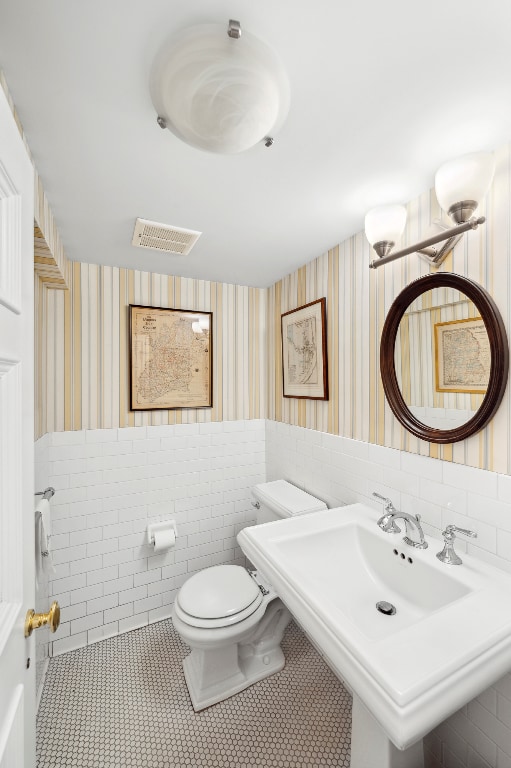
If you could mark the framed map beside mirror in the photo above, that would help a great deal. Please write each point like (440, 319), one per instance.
(444, 358)
(304, 355)
(170, 358)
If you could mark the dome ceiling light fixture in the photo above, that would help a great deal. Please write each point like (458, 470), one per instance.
(219, 92)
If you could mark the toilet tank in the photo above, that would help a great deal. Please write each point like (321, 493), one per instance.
(279, 499)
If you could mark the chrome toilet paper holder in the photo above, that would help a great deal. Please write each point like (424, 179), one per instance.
(163, 525)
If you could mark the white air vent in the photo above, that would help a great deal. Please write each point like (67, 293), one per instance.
(162, 237)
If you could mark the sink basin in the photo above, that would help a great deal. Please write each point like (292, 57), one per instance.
(448, 640)
(376, 568)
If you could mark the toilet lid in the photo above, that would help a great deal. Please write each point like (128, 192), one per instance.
(219, 591)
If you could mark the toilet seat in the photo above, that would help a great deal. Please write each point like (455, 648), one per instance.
(218, 597)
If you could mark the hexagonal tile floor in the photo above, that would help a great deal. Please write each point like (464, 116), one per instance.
(124, 702)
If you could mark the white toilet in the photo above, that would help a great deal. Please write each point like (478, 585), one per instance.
(231, 618)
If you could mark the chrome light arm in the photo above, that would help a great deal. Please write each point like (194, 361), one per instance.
(423, 245)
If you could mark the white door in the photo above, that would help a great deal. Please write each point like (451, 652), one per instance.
(17, 654)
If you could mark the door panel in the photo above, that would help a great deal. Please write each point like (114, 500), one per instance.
(17, 654)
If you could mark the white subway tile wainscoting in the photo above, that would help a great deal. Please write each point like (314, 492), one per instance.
(111, 483)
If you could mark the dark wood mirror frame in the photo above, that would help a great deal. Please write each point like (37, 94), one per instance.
(498, 347)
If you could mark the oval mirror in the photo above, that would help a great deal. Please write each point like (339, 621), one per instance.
(444, 358)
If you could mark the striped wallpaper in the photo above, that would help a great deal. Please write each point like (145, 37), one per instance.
(82, 337)
(81, 333)
(82, 348)
(357, 302)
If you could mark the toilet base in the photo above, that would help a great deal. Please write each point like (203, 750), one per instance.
(250, 670)
(216, 670)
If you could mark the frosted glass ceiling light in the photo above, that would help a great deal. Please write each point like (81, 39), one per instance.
(460, 186)
(219, 90)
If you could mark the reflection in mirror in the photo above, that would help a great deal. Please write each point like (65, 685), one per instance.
(442, 358)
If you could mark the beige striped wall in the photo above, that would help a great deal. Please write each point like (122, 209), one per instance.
(82, 348)
(357, 302)
(82, 344)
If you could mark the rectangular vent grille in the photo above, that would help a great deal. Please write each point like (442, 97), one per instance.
(163, 237)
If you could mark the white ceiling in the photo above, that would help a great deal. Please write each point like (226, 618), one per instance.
(381, 94)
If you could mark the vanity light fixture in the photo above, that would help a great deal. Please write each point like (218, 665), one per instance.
(219, 89)
(460, 185)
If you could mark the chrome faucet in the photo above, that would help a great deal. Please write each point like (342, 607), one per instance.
(387, 523)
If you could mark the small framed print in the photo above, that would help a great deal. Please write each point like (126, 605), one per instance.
(170, 358)
(462, 356)
(304, 352)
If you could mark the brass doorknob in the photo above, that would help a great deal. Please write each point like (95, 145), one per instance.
(35, 620)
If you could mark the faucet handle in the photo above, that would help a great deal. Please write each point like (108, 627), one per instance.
(388, 505)
(451, 530)
(387, 522)
(448, 555)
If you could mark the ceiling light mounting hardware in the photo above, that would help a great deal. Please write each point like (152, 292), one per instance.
(234, 29)
(460, 186)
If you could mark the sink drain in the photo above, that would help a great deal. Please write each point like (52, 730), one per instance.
(387, 608)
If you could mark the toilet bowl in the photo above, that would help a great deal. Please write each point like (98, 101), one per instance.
(231, 617)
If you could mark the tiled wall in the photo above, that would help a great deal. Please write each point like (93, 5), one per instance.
(344, 471)
(110, 484)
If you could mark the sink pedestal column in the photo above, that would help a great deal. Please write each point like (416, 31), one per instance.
(372, 748)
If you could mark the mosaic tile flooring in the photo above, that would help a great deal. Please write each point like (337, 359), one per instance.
(124, 702)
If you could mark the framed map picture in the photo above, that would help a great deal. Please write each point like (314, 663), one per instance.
(462, 356)
(170, 358)
(304, 357)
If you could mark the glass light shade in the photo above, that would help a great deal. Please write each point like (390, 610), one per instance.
(466, 178)
(385, 223)
(219, 93)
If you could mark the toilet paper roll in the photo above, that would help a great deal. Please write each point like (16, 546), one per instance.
(164, 539)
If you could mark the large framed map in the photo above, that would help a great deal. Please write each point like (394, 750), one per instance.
(170, 358)
(304, 355)
(462, 356)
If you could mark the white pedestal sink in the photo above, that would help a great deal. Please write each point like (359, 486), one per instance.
(449, 639)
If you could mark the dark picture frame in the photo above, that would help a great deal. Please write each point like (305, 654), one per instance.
(170, 358)
(304, 352)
